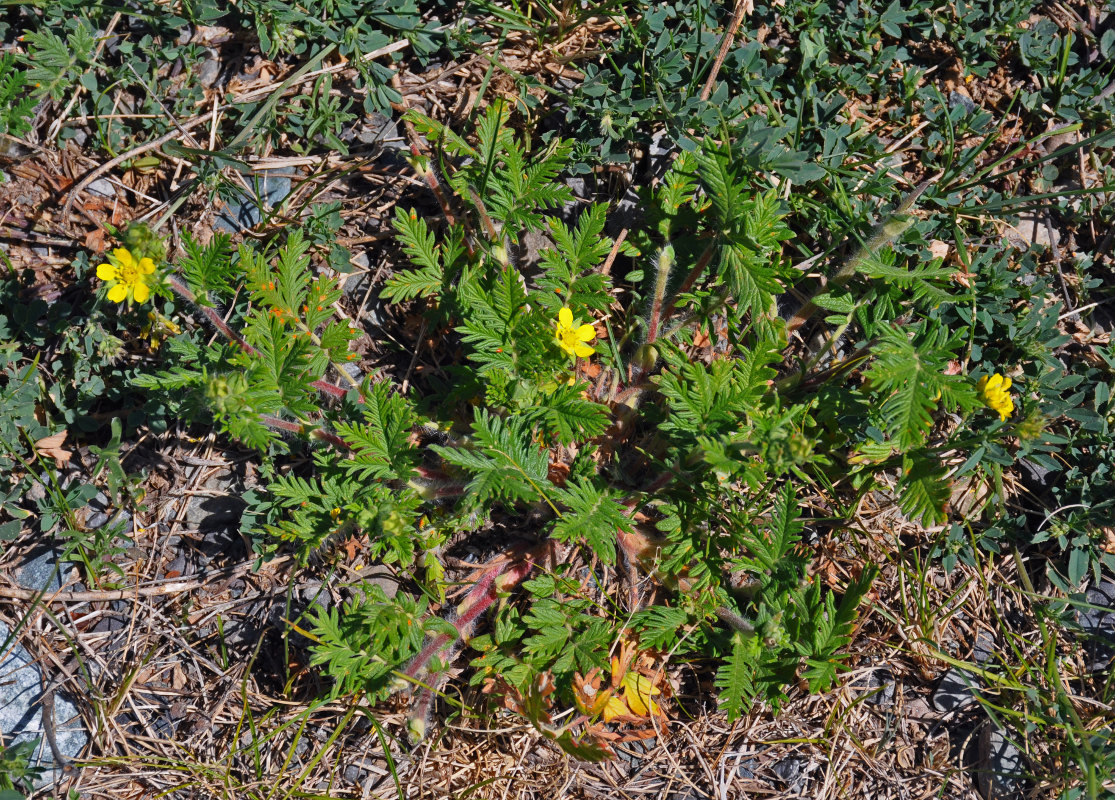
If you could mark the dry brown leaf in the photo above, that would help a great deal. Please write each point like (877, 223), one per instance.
(51, 446)
(95, 240)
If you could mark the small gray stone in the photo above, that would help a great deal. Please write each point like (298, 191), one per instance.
(880, 687)
(21, 692)
(384, 578)
(120, 523)
(96, 520)
(13, 148)
(381, 130)
(243, 211)
(212, 513)
(110, 622)
(984, 647)
(789, 770)
(102, 187)
(957, 99)
(98, 512)
(180, 566)
(36, 491)
(44, 571)
(1098, 624)
(1001, 772)
(628, 212)
(576, 185)
(955, 690)
(314, 594)
(353, 774)
(746, 768)
(528, 252)
(1034, 476)
(208, 72)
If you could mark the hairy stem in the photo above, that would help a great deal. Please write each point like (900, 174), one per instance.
(690, 279)
(665, 262)
(484, 593)
(883, 235)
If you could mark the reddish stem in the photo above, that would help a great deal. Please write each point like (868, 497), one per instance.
(211, 314)
(480, 598)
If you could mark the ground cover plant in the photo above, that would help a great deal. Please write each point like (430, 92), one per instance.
(504, 399)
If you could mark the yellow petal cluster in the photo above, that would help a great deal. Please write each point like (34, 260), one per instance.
(126, 277)
(995, 391)
(573, 339)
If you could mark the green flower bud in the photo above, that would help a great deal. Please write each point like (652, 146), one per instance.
(224, 392)
(1031, 428)
(144, 242)
(646, 357)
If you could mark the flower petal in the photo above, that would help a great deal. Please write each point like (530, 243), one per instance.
(582, 350)
(140, 292)
(586, 333)
(1006, 383)
(106, 272)
(146, 266)
(565, 318)
(118, 293)
(124, 256)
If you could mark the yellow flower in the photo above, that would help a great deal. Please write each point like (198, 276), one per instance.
(995, 392)
(126, 277)
(572, 340)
